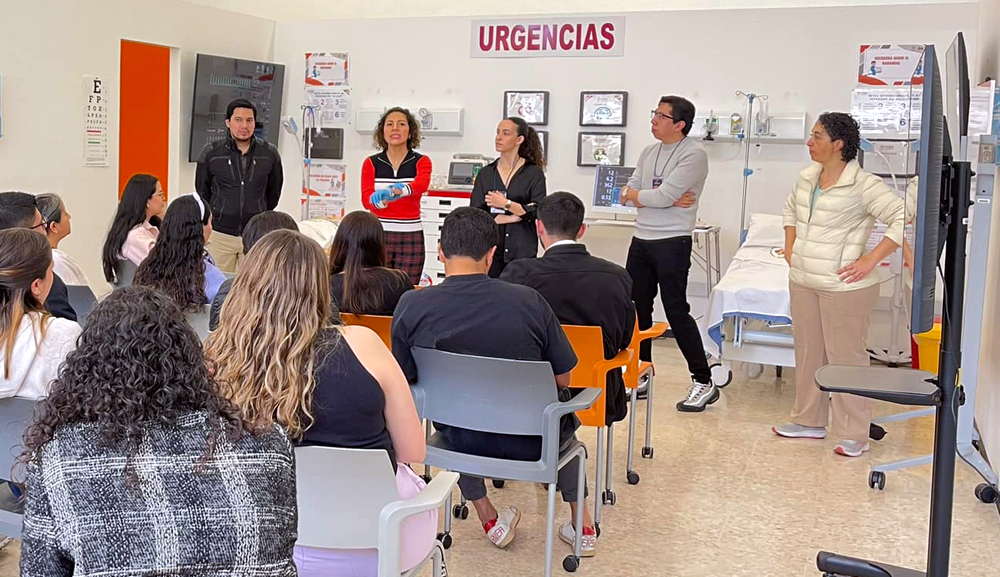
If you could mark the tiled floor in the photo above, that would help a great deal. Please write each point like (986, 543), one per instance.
(724, 497)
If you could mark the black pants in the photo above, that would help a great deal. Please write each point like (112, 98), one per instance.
(666, 263)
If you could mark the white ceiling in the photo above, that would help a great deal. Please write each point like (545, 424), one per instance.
(292, 10)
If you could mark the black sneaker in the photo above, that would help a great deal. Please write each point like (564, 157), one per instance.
(699, 396)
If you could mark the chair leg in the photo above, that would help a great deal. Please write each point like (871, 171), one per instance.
(631, 430)
(427, 468)
(647, 449)
(599, 476)
(581, 487)
(550, 529)
(610, 463)
(609, 495)
(447, 516)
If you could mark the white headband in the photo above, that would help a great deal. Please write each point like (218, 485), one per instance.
(201, 203)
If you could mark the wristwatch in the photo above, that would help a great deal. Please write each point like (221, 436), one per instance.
(506, 205)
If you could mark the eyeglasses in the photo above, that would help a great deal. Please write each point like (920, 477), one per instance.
(659, 115)
(42, 224)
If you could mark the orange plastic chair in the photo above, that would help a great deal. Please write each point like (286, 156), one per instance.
(592, 372)
(380, 324)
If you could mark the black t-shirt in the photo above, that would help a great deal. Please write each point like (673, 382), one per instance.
(389, 284)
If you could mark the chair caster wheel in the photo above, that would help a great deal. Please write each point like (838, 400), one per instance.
(426, 478)
(608, 497)
(461, 511)
(975, 445)
(445, 539)
(876, 479)
(571, 563)
(597, 529)
(647, 452)
(632, 478)
(720, 376)
(498, 483)
(876, 432)
(986, 493)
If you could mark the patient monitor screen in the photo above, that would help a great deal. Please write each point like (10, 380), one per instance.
(608, 184)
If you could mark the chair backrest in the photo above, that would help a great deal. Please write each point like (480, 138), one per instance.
(382, 325)
(482, 393)
(588, 344)
(124, 273)
(199, 320)
(82, 299)
(631, 374)
(341, 493)
(15, 416)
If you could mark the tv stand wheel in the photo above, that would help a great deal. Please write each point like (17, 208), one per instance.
(986, 493)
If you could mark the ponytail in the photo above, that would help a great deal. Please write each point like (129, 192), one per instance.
(531, 147)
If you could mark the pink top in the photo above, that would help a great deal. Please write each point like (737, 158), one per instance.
(139, 242)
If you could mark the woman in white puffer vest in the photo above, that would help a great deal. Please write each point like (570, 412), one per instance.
(828, 219)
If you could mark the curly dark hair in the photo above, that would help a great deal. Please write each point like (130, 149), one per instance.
(378, 138)
(842, 126)
(531, 147)
(176, 264)
(137, 362)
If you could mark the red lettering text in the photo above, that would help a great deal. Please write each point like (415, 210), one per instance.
(517, 38)
(591, 39)
(608, 33)
(502, 33)
(534, 31)
(485, 38)
(563, 42)
(549, 34)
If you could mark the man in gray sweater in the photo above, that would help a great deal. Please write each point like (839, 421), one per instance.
(665, 189)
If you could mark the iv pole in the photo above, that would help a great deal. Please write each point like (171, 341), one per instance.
(747, 171)
(307, 112)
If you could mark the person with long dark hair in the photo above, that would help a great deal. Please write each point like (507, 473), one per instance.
(392, 183)
(32, 343)
(142, 464)
(134, 229)
(178, 265)
(510, 188)
(360, 282)
(286, 358)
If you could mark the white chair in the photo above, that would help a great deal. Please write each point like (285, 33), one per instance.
(348, 500)
(199, 320)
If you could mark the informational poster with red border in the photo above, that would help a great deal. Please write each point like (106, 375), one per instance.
(891, 64)
(327, 69)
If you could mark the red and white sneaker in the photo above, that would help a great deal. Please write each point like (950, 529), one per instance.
(851, 448)
(500, 531)
(589, 542)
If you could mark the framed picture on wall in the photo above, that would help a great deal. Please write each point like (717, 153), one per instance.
(532, 106)
(603, 108)
(543, 135)
(600, 148)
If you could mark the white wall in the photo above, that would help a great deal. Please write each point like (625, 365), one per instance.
(988, 400)
(45, 49)
(804, 58)
(291, 10)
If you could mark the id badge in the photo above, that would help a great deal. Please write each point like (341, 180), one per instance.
(657, 182)
(495, 210)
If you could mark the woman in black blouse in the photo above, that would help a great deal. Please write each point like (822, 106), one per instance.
(510, 188)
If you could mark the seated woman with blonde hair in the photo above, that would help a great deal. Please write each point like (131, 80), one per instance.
(286, 359)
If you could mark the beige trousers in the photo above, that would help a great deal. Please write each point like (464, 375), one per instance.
(226, 250)
(831, 328)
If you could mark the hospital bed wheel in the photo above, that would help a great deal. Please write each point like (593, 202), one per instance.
(498, 483)
(571, 563)
(608, 498)
(876, 479)
(778, 370)
(445, 539)
(461, 511)
(986, 493)
(720, 376)
(632, 477)
(647, 452)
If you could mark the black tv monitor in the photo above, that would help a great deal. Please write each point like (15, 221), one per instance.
(929, 232)
(219, 80)
(958, 96)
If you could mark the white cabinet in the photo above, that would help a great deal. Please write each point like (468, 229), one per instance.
(434, 207)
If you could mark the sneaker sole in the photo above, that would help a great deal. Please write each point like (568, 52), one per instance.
(572, 546)
(840, 451)
(716, 395)
(510, 534)
(802, 435)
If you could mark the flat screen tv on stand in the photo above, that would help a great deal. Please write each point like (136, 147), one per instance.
(939, 215)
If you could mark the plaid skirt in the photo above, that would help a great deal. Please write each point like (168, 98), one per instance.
(405, 251)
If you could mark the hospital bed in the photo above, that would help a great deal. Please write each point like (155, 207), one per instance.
(748, 317)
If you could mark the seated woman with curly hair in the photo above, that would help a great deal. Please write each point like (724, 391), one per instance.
(286, 359)
(136, 465)
(178, 265)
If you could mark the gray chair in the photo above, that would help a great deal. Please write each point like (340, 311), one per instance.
(82, 299)
(15, 416)
(505, 397)
(199, 320)
(124, 273)
(359, 485)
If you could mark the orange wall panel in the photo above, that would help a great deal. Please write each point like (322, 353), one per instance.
(144, 127)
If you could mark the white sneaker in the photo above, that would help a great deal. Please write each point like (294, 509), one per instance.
(793, 431)
(699, 396)
(849, 448)
(502, 530)
(588, 546)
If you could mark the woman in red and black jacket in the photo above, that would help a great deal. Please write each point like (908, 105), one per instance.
(392, 183)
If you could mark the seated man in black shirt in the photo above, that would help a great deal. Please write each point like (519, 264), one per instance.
(473, 314)
(581, 289)
(18, 210)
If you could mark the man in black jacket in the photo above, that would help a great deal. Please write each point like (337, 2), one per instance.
(581, 289)
(18, 210)
(239, 177)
